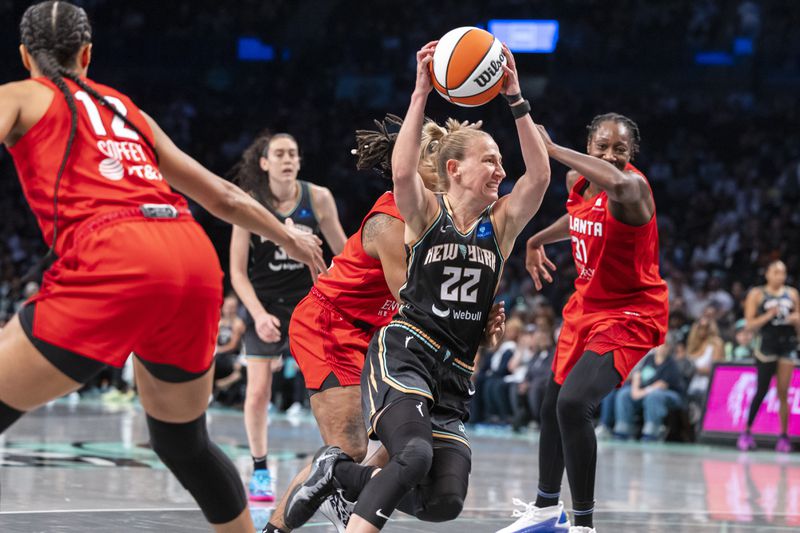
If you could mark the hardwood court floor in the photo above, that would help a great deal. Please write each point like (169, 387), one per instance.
(85, 467)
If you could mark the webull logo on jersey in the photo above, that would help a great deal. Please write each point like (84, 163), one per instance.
(470, 252)
(474, 316)
(457, 314)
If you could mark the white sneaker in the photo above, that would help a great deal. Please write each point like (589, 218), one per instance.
(602, 432)
(295, 409)
(338, 510)
(534, 519)
(582, 529)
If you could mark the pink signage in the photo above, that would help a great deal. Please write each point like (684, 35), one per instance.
(729, 397)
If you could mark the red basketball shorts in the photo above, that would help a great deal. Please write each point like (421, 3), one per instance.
(322, 342)
(628, 336)
(134, 284)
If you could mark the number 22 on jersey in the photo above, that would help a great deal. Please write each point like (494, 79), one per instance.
(453, 290)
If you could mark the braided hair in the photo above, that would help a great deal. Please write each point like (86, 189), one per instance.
(247, 172)
(374, 148)
(53, 33)
(619, 119)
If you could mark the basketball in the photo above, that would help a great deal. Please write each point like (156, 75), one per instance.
(467, 66)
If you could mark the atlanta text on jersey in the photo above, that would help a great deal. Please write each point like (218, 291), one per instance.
(585, 227)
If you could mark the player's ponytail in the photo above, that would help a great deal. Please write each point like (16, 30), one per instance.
(440, 143)
(374, 151)
(53, 33)
(374, 147)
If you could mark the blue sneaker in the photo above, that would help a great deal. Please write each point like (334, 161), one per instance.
(260, 487)
(538, 519)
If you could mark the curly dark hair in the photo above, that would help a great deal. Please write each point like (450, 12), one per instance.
(374, 147)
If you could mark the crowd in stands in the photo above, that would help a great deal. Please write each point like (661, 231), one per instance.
(720, 144)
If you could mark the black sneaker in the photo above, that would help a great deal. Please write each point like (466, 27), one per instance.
(306, 498)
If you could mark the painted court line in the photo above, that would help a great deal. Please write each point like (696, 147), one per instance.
(150, 510)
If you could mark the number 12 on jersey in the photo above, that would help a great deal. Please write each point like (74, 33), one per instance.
(118, 126)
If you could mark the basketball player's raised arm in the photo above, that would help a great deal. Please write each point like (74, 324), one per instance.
(620, 186)
(231, 204)
(416, 203)
(518, 207)
(328, 218)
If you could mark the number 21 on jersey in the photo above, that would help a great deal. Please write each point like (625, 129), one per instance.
(579, 247)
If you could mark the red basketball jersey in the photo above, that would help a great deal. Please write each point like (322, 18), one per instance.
(617, 263)
(355, 283)
(109, 167)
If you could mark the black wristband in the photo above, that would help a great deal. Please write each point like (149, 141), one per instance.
(512, 98)
(520, 110)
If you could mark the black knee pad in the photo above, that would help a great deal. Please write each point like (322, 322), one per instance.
(201, 467)
(442, 508)
(8, 415)
(415, 460)
(442, 496)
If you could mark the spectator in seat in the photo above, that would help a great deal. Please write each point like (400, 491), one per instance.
(656, 388)
(742, 346)
(704, 347)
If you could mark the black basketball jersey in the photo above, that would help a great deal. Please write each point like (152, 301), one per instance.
(778, 337)
(272, 273)
(452, 279)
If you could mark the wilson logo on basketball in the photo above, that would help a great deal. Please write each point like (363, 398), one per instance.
(489, 75)
(467, 66)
